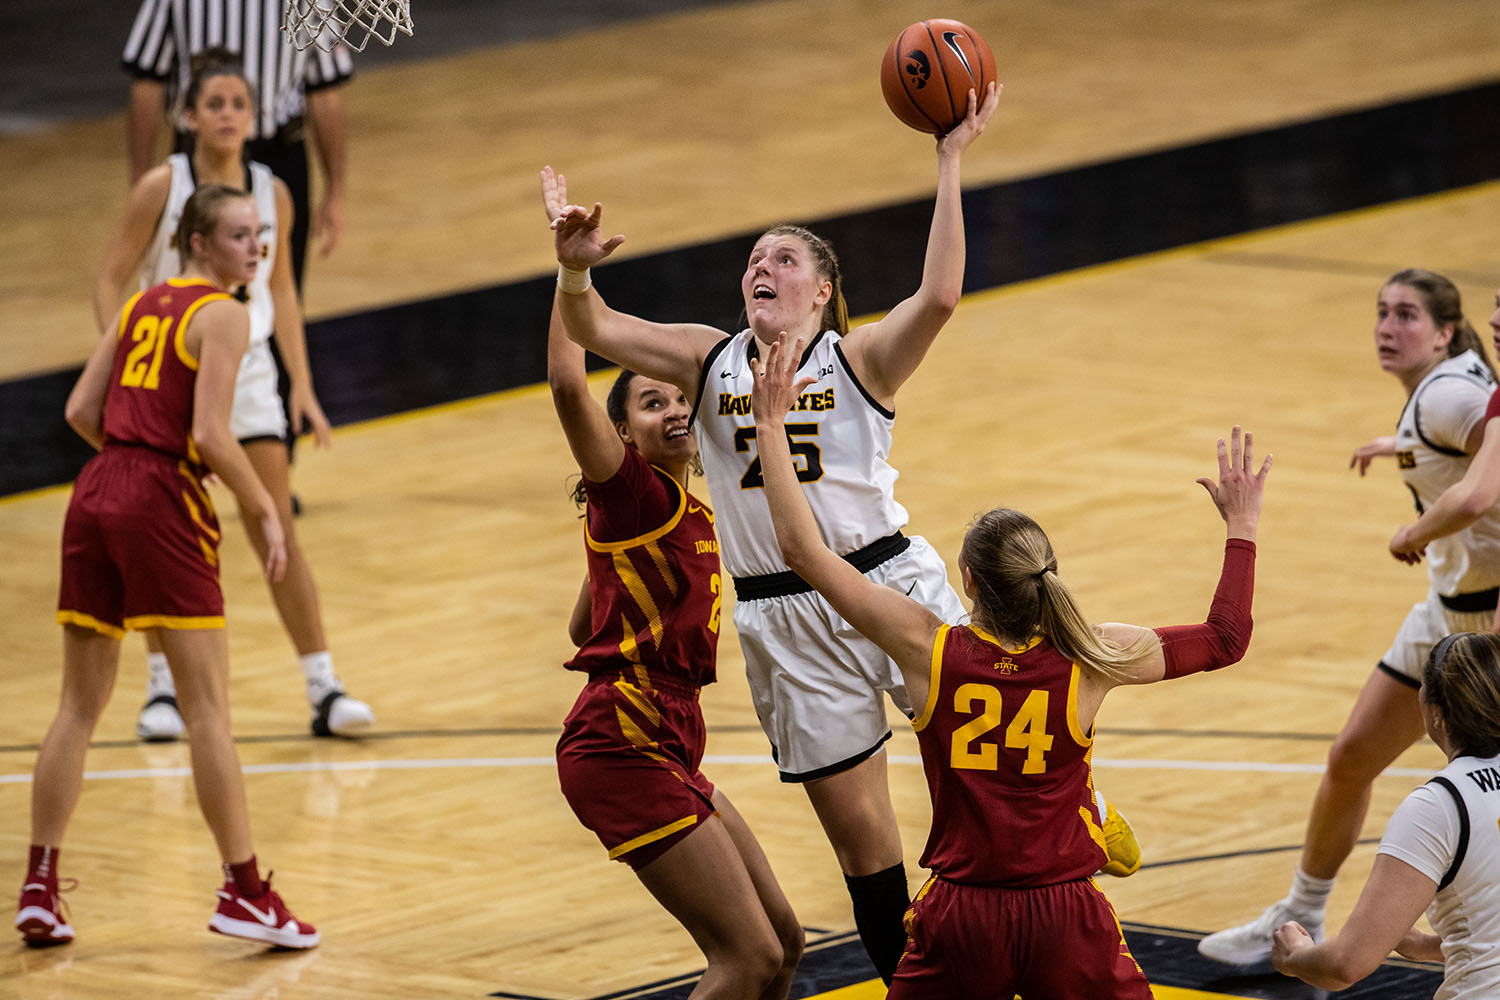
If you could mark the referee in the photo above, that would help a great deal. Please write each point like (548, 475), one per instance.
(288, 85)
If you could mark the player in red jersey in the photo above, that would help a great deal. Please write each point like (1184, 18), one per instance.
(140, 551)
(647, 625)
(1006, 726)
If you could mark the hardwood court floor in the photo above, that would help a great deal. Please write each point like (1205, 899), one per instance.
(439, 858)
(726, 119)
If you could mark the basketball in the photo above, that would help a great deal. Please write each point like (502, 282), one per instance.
(929, 69)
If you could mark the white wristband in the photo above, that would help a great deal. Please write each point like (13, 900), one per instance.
(573, 282)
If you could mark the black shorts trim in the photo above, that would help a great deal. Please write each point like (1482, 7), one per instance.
(1397, 675)
(258, 438)
(1479, 600)
(832, 769)
(785, 584)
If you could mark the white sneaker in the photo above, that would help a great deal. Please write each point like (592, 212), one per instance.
(159, 721)
(1249, 944)
(337, 714)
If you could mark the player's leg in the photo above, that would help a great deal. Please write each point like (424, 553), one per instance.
(703, 882)
(296, 599)
(248, 906)
(1384, 722)
(90, 660)
(159, 721)
(772, 900)
(200, 666)
(854, 807)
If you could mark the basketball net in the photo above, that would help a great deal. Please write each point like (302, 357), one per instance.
(331, 23)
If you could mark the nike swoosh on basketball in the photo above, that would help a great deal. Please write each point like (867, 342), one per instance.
(268, 918)
(948, 37)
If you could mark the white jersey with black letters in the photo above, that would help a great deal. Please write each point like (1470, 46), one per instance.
(1447, 830)
(1430, 439)
(840, 439)
(162, 260)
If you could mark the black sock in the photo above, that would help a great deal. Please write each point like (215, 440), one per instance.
(880, 902)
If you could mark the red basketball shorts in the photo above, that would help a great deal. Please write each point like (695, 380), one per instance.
(1061, 942)
(140, 546)
(628, 763)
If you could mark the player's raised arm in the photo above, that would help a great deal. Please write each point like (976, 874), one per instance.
(669, 352)
(885, 353)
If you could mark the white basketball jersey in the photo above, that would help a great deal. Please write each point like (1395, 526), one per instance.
(1430, 439)
(1449, 830)
(840, 439)
(162, 260)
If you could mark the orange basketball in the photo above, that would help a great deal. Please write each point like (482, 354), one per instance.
(928, 72)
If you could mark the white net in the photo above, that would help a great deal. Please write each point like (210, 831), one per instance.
(331, 23)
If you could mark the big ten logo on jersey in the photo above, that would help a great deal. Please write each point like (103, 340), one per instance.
(731, 405)
(1406, 460)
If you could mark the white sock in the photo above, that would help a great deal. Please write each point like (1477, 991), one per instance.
(159, 679)
(1309, 895)
(318, 669)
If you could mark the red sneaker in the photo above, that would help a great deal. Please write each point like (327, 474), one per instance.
(41, 917)
(260, 918)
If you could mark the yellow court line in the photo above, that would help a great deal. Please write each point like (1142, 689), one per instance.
(874, 989)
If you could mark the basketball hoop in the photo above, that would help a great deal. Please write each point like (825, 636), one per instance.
(331, 23)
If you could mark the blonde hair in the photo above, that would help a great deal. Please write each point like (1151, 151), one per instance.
(201, 215)
(1017, 594)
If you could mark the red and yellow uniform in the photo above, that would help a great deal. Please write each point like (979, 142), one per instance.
(140, 541)
(1015, 834)
(629, 756)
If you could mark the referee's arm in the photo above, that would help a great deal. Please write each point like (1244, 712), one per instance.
(142, 125)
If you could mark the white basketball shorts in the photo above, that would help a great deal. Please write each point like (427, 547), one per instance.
(818, 685)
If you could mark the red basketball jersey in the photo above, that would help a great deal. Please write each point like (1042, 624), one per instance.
(655, 596)
(150, 398)
(1007, 766)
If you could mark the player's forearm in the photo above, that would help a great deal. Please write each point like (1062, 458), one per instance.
(943, 265)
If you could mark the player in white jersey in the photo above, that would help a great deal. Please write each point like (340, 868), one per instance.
(819, 686)
(1469, 500)
(1440, 852)
(1421, 338)
(219, 106)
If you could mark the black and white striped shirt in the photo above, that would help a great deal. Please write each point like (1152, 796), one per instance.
(168, 33)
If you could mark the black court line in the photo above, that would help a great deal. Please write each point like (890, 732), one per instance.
(1252, 852)
(1168, 956)
(467, 344)
(825, 958)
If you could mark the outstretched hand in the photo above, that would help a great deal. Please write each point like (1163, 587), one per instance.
(957, 139)
(776, 383)
(1381, 447)
(576, 235)
(1237, 492)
